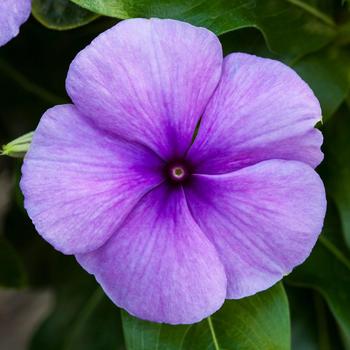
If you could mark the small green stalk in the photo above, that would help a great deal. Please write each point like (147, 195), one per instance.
(18, 147)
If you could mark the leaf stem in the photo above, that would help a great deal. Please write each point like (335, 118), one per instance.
(212, 331)
(313, 11)
(82, 317)
(9, 71)
(323, 335)
(337, 253)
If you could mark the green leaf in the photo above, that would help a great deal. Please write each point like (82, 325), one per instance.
(328, 74)
(258, 322)
(346, 341)
(336, 167)
(313, 326)
(61, 14)
(83, 317)
(303, 319)
(326, 71)
(11, 269)
(328, 270)
(290, 27)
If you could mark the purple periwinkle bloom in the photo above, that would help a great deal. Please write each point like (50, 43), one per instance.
(170, 227)
(13, 13)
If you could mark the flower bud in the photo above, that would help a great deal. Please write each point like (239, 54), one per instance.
(18, 147)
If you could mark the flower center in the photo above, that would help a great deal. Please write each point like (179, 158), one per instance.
(177, 172)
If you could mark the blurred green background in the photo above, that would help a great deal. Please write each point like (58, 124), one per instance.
(48, 302)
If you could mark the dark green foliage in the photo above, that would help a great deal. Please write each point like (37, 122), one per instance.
(61, 14)
(258, 322)
(11, 269)
(313, 37)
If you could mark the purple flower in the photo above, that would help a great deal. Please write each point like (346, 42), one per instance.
(170, 228)
(13, 13)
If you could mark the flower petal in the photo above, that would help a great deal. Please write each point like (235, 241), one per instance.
(148, 80)
(261, 110)
(80, 183)
(13, 13)
(160, 266)
(264, 220)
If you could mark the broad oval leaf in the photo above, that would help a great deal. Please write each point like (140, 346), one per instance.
(289, 26)
(258, 322)
(61, 14)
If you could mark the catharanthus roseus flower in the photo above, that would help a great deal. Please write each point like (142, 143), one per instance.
(13, 13)
(170, 227)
